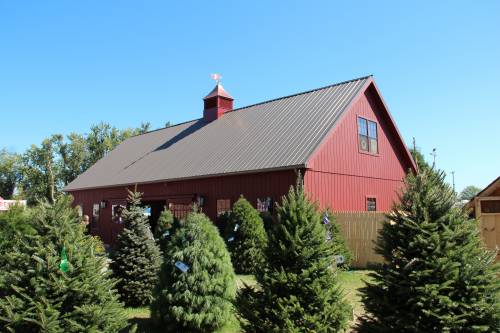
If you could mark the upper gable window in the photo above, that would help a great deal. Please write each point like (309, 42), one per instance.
(368, 136)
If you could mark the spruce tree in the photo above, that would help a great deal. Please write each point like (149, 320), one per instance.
(53, 281)
(297, 286)
(136, 259)
(197, 282)
(437, 277)
(246, 238)
(334, 235)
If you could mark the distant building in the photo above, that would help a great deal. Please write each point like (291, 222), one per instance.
(6, 204)
(340, 138)
(485, 207)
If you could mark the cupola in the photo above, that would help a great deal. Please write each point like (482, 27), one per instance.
(217, 102)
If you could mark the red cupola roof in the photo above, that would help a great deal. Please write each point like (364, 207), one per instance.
(216, 103)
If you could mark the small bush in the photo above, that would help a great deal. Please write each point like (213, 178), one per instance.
(197, 294)
(246, 238)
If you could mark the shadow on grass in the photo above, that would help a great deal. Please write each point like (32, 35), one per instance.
(144, 325)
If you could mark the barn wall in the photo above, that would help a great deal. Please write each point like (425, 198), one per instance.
(252, 186)
(339, 176)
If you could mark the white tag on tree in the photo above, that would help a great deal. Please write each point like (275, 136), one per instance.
(182, 266)
(230, 239)
(236, 227)
(166, 233)
(339, 259)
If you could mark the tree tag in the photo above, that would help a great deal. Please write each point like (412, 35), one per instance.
(64, 264)
(166, 234)
(326, 220)
(339, 259)
(230, 239)
(182, 266)
(236, 227)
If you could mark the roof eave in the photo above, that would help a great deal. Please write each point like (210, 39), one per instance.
(236, 173)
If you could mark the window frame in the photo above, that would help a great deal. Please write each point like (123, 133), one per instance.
(367, 199)
(265, 204)
(222, 206)
(368, 137)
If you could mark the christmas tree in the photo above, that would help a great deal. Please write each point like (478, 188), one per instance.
(437, 276)
(136, 259)
(246, 238)
(54, 282)
(334, 235)
(165, 228)
(297, 286)
(197, 282)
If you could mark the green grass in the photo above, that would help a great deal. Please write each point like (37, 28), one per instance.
(351, 282)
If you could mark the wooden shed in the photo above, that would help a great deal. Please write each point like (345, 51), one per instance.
(486, 208)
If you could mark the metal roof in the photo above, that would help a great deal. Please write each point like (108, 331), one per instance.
(277, 134)
(219, 91)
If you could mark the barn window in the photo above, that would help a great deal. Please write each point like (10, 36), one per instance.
(223, 205)
(490, 206)
(180, 210)
(264, 204)
(371, 204)
(96, 208)
(367, 135)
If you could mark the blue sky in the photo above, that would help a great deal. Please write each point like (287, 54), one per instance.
(65, 65)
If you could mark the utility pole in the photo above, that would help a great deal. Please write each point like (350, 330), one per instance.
(453, 179)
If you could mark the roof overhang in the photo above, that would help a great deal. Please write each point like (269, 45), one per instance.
(245, 172)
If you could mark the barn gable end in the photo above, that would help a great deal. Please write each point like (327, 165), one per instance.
(340, 176)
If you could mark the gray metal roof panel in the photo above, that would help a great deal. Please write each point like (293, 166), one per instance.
(271, 135)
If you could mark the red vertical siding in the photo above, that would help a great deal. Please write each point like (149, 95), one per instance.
(251, 186)
(339, 176)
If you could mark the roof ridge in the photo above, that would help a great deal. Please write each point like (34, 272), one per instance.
(303, 92)
(265, 102)
(162, 128)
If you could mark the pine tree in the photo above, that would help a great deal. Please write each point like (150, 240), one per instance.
(165, 224)
(197, 282)
(53, 281)
(334, 235)
(136, 260)
(297, 287)
(437, 276)
(246, 238)
(165, 228)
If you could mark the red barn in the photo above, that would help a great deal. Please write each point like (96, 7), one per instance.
(341, 138)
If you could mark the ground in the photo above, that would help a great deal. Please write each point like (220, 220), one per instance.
(350, 280)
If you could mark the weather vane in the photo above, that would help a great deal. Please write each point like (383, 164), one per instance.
(216, 77)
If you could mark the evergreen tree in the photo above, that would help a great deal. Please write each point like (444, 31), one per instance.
(437, 276)
(334, 235)
(246, 238)
(297, 287)
(197, 282)
(136, 260)
(165, 223)
(52, 281)
(165, 228)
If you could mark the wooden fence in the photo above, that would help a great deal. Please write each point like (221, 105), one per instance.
(360, 230)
